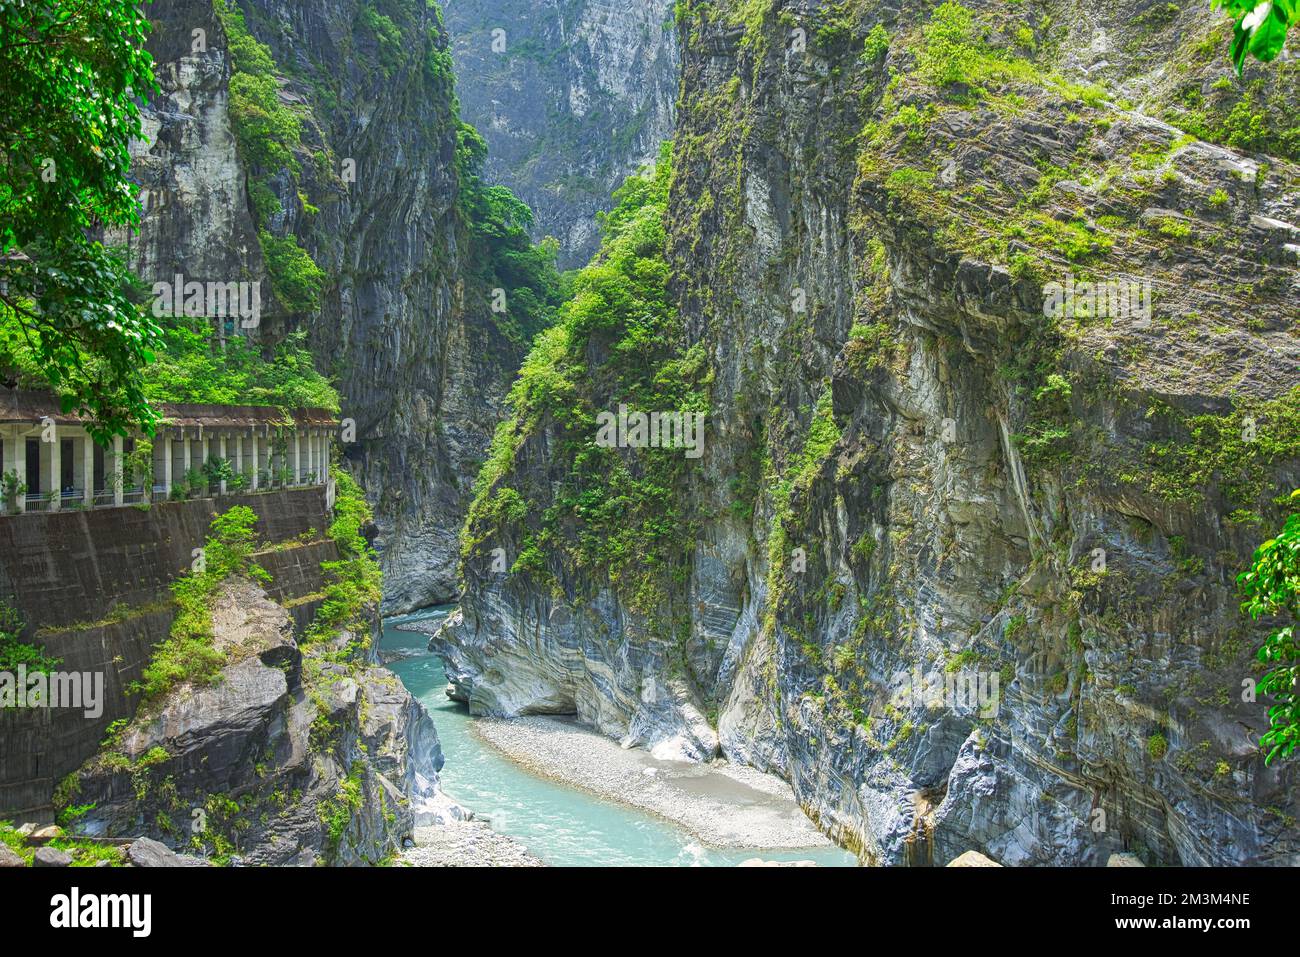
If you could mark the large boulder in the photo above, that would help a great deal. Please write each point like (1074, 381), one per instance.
(49, 857)
(10, 858)
(150, 853)
(292, 756)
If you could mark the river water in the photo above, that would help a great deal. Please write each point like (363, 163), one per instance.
(557, 824)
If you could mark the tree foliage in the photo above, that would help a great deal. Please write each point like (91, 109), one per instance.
(618, 340)
(1272, 589)
(71, 73)
(507, 257)
(1261, 27)
(191, 368)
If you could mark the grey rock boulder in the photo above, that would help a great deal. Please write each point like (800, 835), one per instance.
(150, 853)
(42, 836)
(9, 858)
(1124, 860)
(973, 859)
(49, 857)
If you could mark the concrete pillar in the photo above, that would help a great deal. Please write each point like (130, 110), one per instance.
(204, 455)
(88, 470)
(54, 469)
(297, 458)
(186, 464)
(253, 430)
(118, 478)
(146, 485)
(16, 461)
(167, 465)
(221, 450)
(239, 453)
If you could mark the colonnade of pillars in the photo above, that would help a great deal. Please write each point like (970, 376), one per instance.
(50, 467)
(301, 458)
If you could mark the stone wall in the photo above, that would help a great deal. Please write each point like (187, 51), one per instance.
(93, 588)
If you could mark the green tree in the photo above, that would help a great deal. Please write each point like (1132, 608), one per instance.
(71, 75)
(1272, 589)
(508, 259)
(14, 651)
(191, 367)
(1261, 27)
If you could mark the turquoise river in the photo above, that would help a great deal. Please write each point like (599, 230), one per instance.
(559, 825)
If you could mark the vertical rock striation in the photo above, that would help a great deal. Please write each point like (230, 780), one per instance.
(580, 96)
(369, 191)
(923, 466)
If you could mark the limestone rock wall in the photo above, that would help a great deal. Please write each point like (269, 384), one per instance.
(574, 96)
(421, 367)
(1056, 501)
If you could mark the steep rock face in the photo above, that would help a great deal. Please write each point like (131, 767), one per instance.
(420, 366)
(917, 471)
(581, 95)
(290, 758)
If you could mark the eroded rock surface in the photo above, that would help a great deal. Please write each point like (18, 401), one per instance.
(571, 99)
(1055, 500)
(402, 323)
(292, 756)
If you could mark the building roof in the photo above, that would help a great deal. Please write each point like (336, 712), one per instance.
(28, 406)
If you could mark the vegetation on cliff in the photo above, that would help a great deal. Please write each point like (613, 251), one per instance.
(618, 341)
(14, 652)
(269, 134)
(71, 79)
(192, 367)
(188, 655)
(353, 587)
(1272, 589)
(505, 258)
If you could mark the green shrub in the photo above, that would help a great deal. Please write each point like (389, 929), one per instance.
(187, 654)
(951, 51)
(1271, 587)
(354, 582)
(876, 44)
(295, 277)
(14, 652)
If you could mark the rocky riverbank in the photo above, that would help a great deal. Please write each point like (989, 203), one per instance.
(723, 805)
(298, 754)
(470, 843)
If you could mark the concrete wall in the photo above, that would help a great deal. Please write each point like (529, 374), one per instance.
(93, 587)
